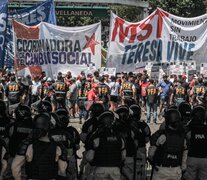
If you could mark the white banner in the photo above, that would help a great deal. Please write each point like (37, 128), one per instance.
(161, 37)
(54, 49)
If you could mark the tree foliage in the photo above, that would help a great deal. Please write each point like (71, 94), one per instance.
(132, 14)
(184, 8)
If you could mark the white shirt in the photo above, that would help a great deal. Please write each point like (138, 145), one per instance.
(114, 86)
(35, 86)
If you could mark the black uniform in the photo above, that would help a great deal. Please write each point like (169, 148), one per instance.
(43, 165)
(42, 91)
(13, 92)
(60, 90)
(127, 89)
(180, 94)
(103, 94)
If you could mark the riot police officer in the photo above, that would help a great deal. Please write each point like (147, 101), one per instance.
(197, 137)
(21, 128)
(59, 96)
(127, 130)
(42, 157)
(106, 150)
(88, 128)
(185, 110)
(103, 93)
(61, 135)
(4, 121)
(143, 135)
(168, 150)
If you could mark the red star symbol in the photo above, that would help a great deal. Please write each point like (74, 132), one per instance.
(91, 43)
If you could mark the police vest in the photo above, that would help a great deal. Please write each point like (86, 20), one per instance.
(43, 164)
(103, 90)
(180, 92)
(13, 91)
(60, 90)
(20, 132)
(108, 154)
(88, 86)
(42, 91)
(61, 136)
(199, 90)
(198, 142)
(82, 94)
(170, 153)
(151, 94)
(127, 89)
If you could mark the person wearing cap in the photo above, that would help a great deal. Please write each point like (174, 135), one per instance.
(106, 150)
(179, 94)
(197, 138)
(42, 90)
(164, 91)
(115, 90)
(151, 101)
(168, 149)
(42, 157)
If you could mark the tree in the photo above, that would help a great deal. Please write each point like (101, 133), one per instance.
(129, 13)
(184, 8)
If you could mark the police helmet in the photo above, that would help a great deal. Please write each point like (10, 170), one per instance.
(22, 112)
(135, 111)
(2, 107)
(123, 112)
(185, 109)
(173, 118)
(198, 115)
(96, 109)
(42, 121)
(106, 119)
(63, 117)
(45, 106)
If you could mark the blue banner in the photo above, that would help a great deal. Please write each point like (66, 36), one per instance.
(30, 16)
(3, 21)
